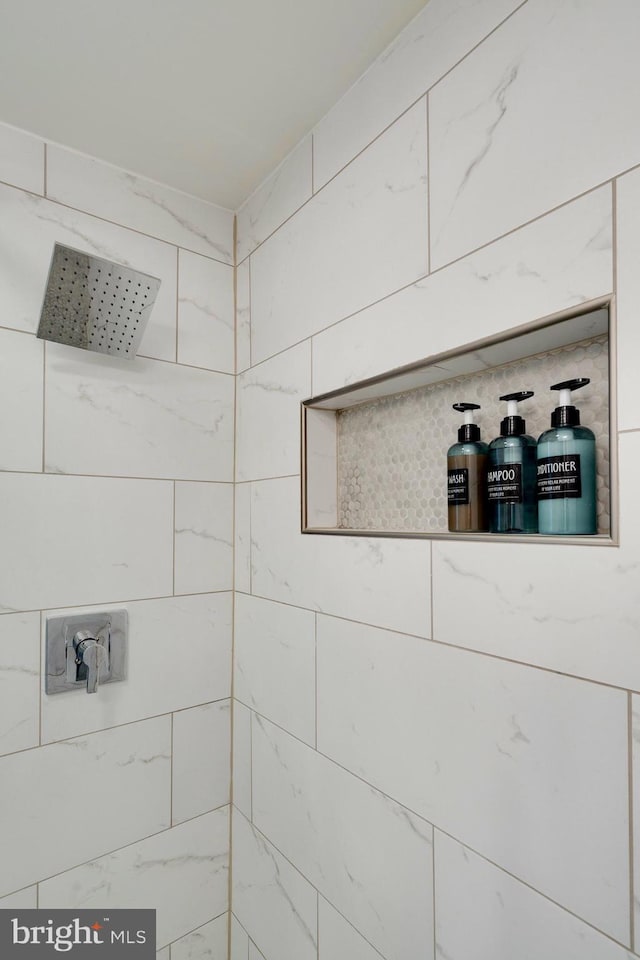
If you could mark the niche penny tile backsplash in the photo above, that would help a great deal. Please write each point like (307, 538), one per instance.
(392, 452)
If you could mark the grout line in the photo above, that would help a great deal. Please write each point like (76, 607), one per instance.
(428, 188)
(177, 303)
(445, 266)
(454, 646)
(632, 931)
(250, 318)
(315, 637)
(173, 567)
(126, 846)
(121, 476)
(433, 888)
(41, 679)
(115, 726)
(109, 604)
(171, 772)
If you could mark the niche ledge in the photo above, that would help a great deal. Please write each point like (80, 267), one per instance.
(374, 452)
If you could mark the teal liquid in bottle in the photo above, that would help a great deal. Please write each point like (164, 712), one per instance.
(511, 478)
(566, 469)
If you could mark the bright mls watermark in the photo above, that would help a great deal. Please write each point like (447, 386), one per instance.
(78, 934)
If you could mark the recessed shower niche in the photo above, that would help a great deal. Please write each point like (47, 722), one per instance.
(374, 453)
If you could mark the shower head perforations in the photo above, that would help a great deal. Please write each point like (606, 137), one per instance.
(95, 304)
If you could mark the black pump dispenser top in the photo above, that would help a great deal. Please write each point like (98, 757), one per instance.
(469, 432)
(513, 425)
(566, 415)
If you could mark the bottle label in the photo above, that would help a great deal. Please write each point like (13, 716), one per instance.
(504, 483)
(559, 477)
(458, 485)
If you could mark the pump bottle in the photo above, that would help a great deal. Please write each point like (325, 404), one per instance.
(467, 475)
(511, 479)
(567, 469)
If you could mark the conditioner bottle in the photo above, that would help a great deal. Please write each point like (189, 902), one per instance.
(467, 475)
(567, 469)
(511, 480)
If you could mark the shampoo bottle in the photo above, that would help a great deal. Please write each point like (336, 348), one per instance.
(467, 475)
(567, 469)
(511, 480)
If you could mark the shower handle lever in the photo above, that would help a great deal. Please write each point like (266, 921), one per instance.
(91, 653)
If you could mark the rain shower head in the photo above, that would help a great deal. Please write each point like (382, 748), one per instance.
(95, 304)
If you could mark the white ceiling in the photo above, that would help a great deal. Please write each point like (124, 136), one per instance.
(205, 95)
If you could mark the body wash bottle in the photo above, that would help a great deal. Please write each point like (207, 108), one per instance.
(467, 475)
(567, 469)
(511, 480)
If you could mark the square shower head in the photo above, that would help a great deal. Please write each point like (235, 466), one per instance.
(95, 304)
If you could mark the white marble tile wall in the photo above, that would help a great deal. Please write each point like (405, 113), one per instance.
(239, 941)
(20, 681)
(152, 208)
(528, 120)
(555, 263)
(275, 663)
(268, 414)
(145, 419)
(271, 899)
(241, 782)
(182, 872)
(204, 537)
(208, 942)
(323, 819)
(427, 49)
(506, 757)
(284, 192)
(509, 730)
(205, 313)
(502, 916)
(21, 159)
(359, 239)
(201, 760)
(106, 502)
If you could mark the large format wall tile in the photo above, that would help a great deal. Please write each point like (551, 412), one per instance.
(208, 942)
(359, 239)
(116, 194)
(517, 763)
(268, 424)
(573, 609)
(204, 537)
(274, 903)
(242, 553)
(29, 227)
(243, 316)
(364, 852)
(376, 581)
(555, 263)
(19, 681)
(205, 313)
(241, 782)
(146, 418)
(161, 676)
(116, 783)
(201, 759)
(26, 899)
(426, 49)
(239, 941)
(182, 873)
(484, 914)
(338, 940)
(21, 388)
(21, 159)
(635, 772)
(275, 663)
(528, 121)
(277, 198)
(73, 540)
(628, 297)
